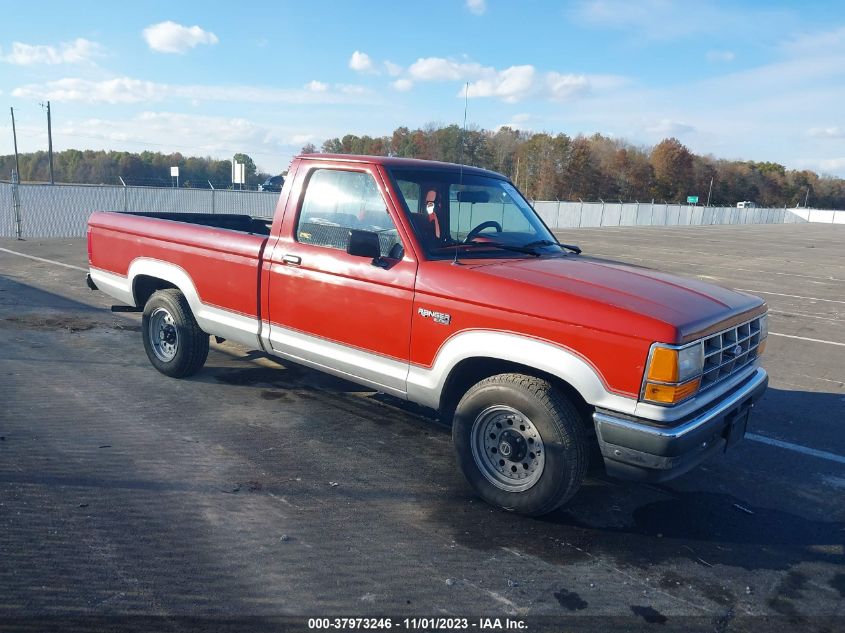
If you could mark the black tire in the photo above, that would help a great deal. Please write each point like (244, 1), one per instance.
(546, 413)
(174, 343)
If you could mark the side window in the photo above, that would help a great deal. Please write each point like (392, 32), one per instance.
(336, 201)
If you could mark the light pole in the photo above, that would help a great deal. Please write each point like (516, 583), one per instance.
(15, 137)
(807, 197)
(49, 140)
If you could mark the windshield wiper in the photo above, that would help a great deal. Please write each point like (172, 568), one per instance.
(572, 247)
(507, 247)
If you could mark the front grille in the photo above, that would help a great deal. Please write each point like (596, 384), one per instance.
(729, 351)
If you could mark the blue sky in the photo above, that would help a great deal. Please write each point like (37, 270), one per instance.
(740, 80)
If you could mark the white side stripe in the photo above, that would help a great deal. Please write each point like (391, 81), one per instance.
(796, 447)
(41, 259)
(804, 338)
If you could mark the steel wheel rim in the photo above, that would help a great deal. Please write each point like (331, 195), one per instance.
(163, 335)
(501, 429)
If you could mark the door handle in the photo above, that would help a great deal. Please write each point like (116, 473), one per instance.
(296, 260)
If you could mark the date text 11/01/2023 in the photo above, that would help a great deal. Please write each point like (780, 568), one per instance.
(417, 624)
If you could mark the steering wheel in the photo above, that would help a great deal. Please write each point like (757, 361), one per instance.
(489, 224)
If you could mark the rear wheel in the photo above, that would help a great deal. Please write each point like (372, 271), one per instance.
(520, 443)
(173, 340)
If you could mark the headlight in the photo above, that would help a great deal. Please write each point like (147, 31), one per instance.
(673, 374)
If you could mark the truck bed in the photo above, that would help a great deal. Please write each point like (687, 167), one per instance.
(215, 259)
(242, 223)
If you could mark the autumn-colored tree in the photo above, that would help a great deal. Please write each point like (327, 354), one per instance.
(543, 166)
(672, 163)
(582, 177)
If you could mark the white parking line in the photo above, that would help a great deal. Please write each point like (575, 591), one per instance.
(804, 338)
(806, 316)
(780, 294)
(622, 257)
(796, 447)
(41, 259)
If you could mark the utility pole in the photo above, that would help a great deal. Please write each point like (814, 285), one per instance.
(50, 141)
(15, 137)
(709, 191)
(807, 197)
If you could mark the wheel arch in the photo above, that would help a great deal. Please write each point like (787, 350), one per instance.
(148, 275)
(143, 287)
(471, 356)
(470, 371)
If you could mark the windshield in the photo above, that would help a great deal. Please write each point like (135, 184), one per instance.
(479, 215)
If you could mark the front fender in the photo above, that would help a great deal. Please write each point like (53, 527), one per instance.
(426, 384)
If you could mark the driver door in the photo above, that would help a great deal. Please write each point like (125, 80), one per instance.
(346, 314)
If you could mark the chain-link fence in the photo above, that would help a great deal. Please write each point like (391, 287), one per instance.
(560, 214)
(42, 210)
(63, 210)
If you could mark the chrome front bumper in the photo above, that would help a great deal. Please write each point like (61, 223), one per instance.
(637, 448)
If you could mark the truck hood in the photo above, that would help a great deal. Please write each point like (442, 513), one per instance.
(692, 307)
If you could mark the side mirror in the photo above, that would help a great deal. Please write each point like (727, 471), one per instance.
(364, 244)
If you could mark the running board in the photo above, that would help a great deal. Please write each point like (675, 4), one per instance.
(126, 309)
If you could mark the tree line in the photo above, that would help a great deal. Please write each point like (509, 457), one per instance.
(550, 167)
(151, 169)
(544, 167)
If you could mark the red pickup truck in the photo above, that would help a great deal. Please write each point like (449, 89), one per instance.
(439, 284)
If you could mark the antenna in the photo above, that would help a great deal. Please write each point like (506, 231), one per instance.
(461, 161)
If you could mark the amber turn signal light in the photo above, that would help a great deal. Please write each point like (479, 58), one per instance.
(671, 394)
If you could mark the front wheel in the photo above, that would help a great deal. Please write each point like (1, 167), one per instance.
(173, 340)
(520, 443)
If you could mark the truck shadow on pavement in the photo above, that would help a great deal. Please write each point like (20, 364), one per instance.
(636, 524)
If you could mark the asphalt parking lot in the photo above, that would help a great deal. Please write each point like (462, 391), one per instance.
(258, 488)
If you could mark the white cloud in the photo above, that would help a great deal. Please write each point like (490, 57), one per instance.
(510, 85)
(522, 117)
(351, 89)
(667, 20)
(75, 52)
(440, 69)
(186, 133)
(118, 90)
(562, 87)
(668, 127)
(826, 132)
(128, 90)
(394, 70)
(301, 139)
(271, 145)
(478, 7)
(832, 165)
(170, 37)
(720, 56)
(403, 85)
(360, 62)
(316, 86)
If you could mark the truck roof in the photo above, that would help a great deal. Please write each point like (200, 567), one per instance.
(405, 163)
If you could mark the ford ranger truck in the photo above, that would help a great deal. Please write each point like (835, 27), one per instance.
(439, 284)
